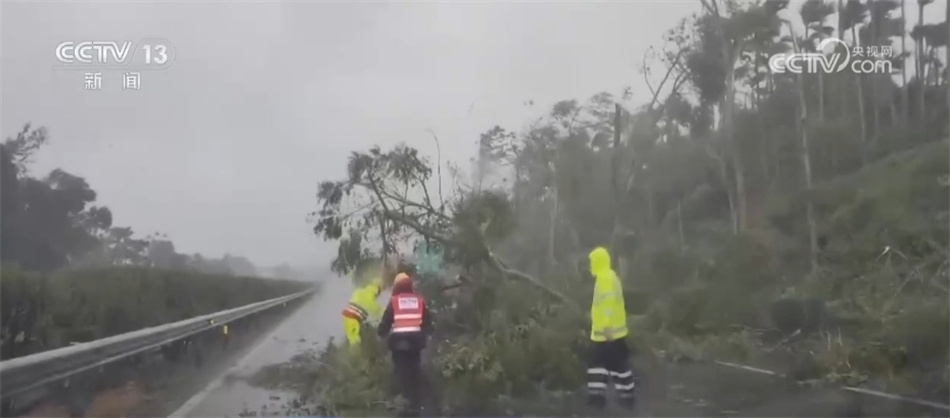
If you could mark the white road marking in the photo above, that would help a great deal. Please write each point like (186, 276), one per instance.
(897, 397)
(196, 400)
(749, 368)
(862, 391)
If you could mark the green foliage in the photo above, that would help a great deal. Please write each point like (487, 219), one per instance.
(372, 204)
(46, 311)
(883, 270)
(342, 381)
(518, 344)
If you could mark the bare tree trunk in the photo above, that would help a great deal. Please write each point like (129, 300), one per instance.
(860, 102)
(729, 129)
(552, 230)
(842, 95)
(875, 109)
(615, 161)
(806, 164)
(516, 189)
(730, 194)
(679, 224)
(555, 210)
(905, 91)
(763, 145)
(935, 67)
(809, 207)
(618, 189)
(651, 204)
(385, 237)
(921, 71)
(730, 52)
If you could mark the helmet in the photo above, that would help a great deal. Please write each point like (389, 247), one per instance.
(403, 283)
(401, 277)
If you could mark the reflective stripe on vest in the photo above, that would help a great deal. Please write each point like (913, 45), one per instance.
(355, 311)
(407, 313)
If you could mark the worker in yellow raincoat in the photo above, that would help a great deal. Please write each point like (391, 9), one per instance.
(609, 355)
(361, 308)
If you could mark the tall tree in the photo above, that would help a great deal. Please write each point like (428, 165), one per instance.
(905, 91)
(849, 19)
(920, 45)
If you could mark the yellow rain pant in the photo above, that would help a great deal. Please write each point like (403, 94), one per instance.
(352, 329)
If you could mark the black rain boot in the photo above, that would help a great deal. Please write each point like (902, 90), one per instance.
(598, 402)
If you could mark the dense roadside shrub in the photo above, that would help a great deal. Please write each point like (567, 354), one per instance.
(47, 311)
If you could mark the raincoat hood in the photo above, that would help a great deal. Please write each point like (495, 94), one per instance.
(599, 260)
(374, 288)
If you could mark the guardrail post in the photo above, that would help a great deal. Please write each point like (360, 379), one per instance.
(226, 337)
(171, 352)
(197, 352)
(851, 406)
(77, 391)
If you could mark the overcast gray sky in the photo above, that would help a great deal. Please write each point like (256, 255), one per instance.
(223, 150)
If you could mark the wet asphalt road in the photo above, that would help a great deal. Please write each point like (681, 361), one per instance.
(697, 389)
(307, 328)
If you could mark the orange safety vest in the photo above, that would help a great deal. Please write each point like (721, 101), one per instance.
(407, 312)
(356, 312)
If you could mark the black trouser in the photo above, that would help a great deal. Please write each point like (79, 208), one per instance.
(610, 361)
(409, 378)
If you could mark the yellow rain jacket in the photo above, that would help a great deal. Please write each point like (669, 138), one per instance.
(608, 315)
(363, 303)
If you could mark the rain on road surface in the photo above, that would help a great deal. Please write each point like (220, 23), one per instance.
(307, 328)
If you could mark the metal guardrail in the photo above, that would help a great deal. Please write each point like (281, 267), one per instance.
(23, 374)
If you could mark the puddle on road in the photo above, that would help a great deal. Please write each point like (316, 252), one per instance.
(270, 390)
(255, 402)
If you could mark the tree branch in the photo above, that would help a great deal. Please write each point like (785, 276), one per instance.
(405, 202)
(493, 261)
(382, 224)
(438, 150)
(416, 226)
(669, 70)
(646, 73)
(497, 264)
